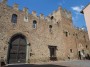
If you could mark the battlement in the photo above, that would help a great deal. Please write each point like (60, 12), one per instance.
(66, 14)
(81, 29)
(34, 13)
(48, 18)
(4, 1)
(25, 10)
(32, 33)
(55, 15)
(15, 6)
(54, 12)
(41, 16)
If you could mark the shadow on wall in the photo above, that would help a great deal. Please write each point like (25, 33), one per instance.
(34, 65)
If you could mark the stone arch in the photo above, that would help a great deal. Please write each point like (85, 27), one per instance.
(17, 42)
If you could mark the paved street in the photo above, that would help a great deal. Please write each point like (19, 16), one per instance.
(34, 65)
(75, 63)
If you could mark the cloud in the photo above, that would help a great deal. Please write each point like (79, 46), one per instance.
(77, 8)
(76, 17)
(76, 13)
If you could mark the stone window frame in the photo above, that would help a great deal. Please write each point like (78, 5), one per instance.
(50, 28)
(26, 17)
(34, 24)
(54, 48)
(14, 18)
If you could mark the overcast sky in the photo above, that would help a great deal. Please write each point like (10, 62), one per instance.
(48, 6)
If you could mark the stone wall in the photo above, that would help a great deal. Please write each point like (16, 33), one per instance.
(42, 36)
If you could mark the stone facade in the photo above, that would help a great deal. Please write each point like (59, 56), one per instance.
(54, 30)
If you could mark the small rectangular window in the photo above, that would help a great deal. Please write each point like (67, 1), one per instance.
(66, 33)
(76, 35)
(71, 50)
(50, 28)
(53, 52)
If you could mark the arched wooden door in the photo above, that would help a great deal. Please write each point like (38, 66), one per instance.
(17, 50)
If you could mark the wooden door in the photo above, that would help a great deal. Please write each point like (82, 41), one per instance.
(17, 50)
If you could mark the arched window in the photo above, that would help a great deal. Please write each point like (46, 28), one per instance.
(52, 17)
(34, 24)
(14, 18)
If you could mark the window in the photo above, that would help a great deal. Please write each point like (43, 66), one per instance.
(86, 46)
(58, 23)
(76, 35)
(51, 17)
(71, 50)
(66, 33)
(5, 47)
(73, 34)
(52, 50)
(25, 18)
(14, 18)
(50, 28)
(34, 24)
(84, 37)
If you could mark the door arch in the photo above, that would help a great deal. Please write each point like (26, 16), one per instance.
(17, 49)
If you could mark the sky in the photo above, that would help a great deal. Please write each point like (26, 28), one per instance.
(48, 6)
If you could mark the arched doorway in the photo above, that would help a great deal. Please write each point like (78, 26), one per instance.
(17, 49)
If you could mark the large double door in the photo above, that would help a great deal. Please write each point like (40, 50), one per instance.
(17, 50)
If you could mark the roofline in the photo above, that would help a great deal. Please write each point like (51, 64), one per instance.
(84, 8)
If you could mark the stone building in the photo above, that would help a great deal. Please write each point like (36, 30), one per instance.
(28, 38)
(86, 12)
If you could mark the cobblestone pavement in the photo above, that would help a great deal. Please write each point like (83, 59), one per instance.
(71, 63)
(75, 63)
